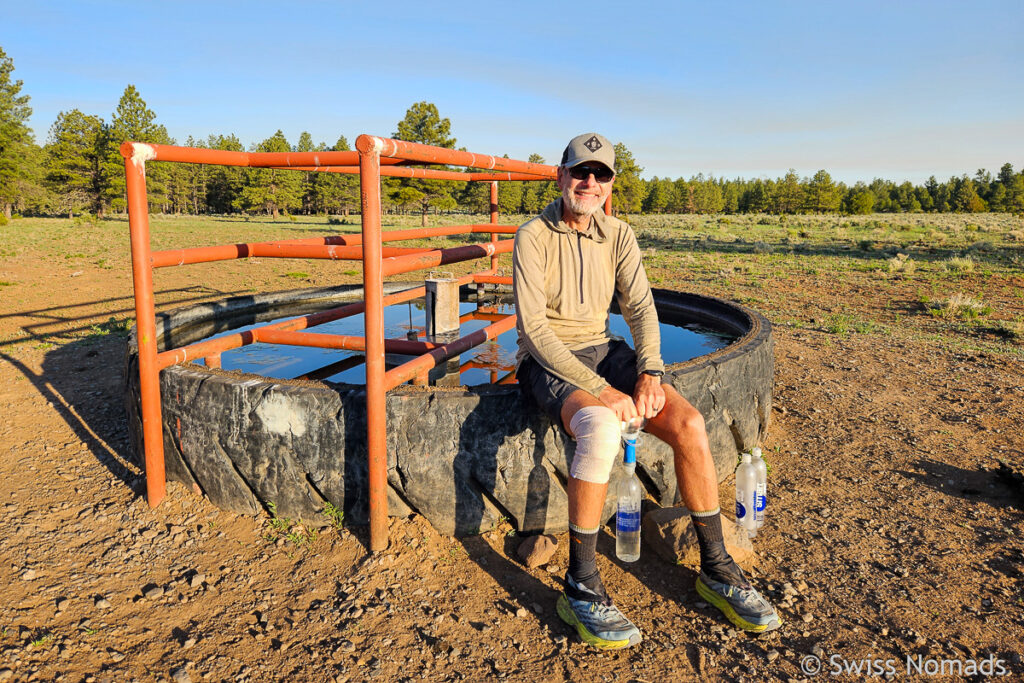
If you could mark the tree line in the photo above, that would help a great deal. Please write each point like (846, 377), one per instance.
(79, 168)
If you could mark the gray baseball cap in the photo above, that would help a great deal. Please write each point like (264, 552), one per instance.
(589, 147)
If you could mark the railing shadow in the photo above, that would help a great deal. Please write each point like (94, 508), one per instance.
(83, 379)
(68, 320)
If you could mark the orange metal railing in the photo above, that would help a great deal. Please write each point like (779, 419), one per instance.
(374, 157)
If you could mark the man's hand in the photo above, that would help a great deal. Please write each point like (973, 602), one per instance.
(649, 396)
(621, 404)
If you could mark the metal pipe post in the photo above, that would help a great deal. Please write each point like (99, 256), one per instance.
(494, 221)
(373, 292)
(145, 324)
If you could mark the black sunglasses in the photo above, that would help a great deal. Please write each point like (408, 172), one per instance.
(602, 173)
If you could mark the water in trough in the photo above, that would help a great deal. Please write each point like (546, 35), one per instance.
(680, 341)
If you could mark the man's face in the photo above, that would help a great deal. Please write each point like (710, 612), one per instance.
(584, 196)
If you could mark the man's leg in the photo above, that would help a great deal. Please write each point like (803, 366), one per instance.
(585, 603)
(721, 582)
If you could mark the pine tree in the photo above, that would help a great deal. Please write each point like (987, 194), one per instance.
(134, 121)
(423, 124)
(628, 191)
(223, 183)
(75, 151)
(270, 189)
(822, 194)
(15, 136)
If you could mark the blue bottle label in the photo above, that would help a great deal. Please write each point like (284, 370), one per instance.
(741, 511)
(628, 521)
(762, 502)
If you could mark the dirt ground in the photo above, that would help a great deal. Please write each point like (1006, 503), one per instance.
(892, 536)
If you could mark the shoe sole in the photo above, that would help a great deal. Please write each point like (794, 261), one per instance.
(569, 617)
(704, 591)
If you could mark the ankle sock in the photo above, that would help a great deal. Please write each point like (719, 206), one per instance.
(583, 559)
(715, 560)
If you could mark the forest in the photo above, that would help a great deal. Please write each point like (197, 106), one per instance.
(78, 169)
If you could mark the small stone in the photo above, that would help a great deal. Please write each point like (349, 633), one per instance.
(522, 613)
(28, 575)
(189, 642)
(152, 591)
(6, 674)
(62, 604)
(807, 617)
(347, 646)
(817, 651)
(773, 655)
(537, 608)
(150, 534)
(115, 656)
(102, 603)
(801, 586)
(884, 631)
(197, 580)
(537, 550)
(180, 675)
(700, 604)
(553, 569)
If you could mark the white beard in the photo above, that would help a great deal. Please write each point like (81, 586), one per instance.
(582, 208)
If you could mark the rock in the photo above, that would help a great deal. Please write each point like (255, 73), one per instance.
(522, 613)
(197, 580)
(817, 650)
(180, 675)
(28, 575)
(6, 674)
(808, 618)
(115, 656)
(773, 655)
(189, 642)
(62, 604)
(102, 603)
(537, 550)
(152, 591)
(669, 531)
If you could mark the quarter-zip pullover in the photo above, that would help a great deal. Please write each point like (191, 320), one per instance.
(564, 280)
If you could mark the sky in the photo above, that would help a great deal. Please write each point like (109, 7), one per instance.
(899, 90)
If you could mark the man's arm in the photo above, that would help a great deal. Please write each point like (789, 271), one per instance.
(636, 301)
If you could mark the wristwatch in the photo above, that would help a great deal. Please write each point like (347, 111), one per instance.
(654, 373)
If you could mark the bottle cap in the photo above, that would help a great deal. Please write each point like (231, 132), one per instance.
(630, 453)
(746, 457)
(756, 452)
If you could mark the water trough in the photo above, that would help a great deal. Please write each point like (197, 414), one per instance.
(461, 456)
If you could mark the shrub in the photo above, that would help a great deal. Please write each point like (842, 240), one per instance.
(959, 264)
(902, 263)
(959, 306)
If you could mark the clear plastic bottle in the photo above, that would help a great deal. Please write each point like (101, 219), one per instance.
(761, 492)
(630, 494)
(746, 490)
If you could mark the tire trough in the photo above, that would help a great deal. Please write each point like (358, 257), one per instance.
(462, 457)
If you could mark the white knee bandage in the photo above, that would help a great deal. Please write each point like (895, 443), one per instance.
(597, 443)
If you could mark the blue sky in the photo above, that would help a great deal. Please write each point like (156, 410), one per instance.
(900, 90)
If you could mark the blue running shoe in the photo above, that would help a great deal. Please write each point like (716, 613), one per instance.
(742, 605)
(596, 619)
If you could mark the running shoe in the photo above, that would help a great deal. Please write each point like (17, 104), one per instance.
(742, 605)
(598, 622)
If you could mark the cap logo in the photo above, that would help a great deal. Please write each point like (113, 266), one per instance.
(593, 144)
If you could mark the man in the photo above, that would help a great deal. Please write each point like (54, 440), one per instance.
(567, 264)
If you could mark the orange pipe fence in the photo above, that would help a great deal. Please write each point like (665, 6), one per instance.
(374, 157)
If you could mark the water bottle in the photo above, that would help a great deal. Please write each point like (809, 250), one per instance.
(627, 515)
(761, 492)
(746, 490)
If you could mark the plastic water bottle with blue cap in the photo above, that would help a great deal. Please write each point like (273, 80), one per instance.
(746, 494)
(627, 515)
(761, 492)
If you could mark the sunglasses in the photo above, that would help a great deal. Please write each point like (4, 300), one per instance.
(601, 173)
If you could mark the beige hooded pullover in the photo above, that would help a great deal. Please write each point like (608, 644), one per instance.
(564, 281)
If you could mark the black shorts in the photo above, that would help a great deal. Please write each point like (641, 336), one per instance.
(615, 361)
